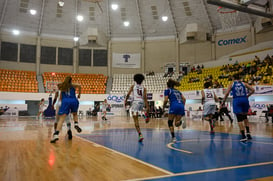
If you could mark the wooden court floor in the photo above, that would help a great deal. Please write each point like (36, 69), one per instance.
(27, 154)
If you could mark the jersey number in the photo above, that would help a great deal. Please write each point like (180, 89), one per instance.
(139, 92)
(209, 95)
(239, 91)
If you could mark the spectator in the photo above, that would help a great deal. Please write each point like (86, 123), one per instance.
(216, 84)
(159, 112)
(269, 113)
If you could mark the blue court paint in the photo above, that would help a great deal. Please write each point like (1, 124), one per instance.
(241, 174)
(208, 151)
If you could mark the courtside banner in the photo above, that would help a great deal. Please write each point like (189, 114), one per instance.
(126, 60)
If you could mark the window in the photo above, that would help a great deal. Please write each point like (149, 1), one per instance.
(65, 56)
(100, 57)
(27, 53)
(48, 55)
(9, 51)
(85, 57)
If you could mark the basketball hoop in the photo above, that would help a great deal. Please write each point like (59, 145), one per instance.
(51, 86)
(228, 18)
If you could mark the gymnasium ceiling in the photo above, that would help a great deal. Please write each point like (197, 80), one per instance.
(144, 17)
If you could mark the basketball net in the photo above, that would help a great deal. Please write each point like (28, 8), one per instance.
(228, 18)
(51, 86)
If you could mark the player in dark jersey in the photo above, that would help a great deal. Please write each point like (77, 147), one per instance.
(177, 103)
(69, 104)
(240, 104)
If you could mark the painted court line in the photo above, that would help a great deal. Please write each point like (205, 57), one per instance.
(130, 157)
(205, 171)
(170, 145)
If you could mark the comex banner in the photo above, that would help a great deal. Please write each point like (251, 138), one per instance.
(126, 60)
(232, 41)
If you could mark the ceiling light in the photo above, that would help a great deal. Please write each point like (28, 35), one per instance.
(32, 11)
(76, 38)
(79, 17)
(126, 23)
(114, 6)
(16, 32)
(164, 18)
(61, 3)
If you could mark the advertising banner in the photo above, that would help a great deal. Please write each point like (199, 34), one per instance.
(126, 60)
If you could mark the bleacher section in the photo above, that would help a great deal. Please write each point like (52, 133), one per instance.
(154, 83)
(255, 72)
(18, 81)
(90, 83)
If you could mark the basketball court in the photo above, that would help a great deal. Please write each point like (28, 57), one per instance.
(109, 150)
(102, 44)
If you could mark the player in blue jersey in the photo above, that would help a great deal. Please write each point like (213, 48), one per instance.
(69, 104)
(176, 109)
(240, 104)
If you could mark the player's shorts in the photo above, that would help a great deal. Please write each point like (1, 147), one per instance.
(103, 109)
(209, 109)
(177, 109)
(69, 105)
(137, 106)
(240, 105)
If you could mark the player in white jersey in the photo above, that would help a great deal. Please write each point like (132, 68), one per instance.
(57, 100)
(209, 100)
(139, 94)
(103, 109)
(41, 108)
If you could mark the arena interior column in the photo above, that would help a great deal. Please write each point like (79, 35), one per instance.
(18, 53)
(253, 36)
(109, 57)
(213, 47)
(177, 46)
(143, 56)
(75, 58)
(38, 55)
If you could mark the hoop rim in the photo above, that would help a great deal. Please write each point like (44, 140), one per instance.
(220, 8)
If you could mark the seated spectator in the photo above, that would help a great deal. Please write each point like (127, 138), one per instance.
(269, 113)
(202, 66)
(159, 112)
(221, 76)
(216, 84)
(257, 60)
(229, 78)
(193, 69)
(152, 112)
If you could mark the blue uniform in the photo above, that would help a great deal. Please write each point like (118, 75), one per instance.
(240, 99)
(69, 102)
(176, 102)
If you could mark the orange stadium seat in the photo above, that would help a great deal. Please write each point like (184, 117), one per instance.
(89, 82)
(18, 81)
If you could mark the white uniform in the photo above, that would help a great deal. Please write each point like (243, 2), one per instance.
(41, 107)
(209, 102)
(104, 106)
(138, 98)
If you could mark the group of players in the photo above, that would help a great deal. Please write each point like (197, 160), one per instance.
(69, 103)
